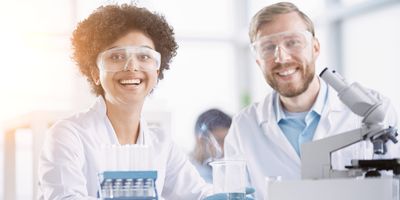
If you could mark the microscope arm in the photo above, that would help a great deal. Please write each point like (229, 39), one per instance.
(316, 155)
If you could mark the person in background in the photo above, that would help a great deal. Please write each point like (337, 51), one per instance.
(301, 108)
(122, 50)
(210, 130)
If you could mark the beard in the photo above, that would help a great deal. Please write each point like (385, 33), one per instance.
(292, 89)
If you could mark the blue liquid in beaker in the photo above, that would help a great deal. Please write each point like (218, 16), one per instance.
(236, 196)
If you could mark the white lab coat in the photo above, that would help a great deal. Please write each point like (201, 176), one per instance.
(69, 164)
(256, 137)
(204, 169)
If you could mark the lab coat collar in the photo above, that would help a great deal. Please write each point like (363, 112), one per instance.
(143, 138)
(321, 98)
(265, 113)
(262, 107)
(330, 114)
(100, 106)
(276, 103)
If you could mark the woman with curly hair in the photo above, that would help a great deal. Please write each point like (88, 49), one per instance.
(122, 50)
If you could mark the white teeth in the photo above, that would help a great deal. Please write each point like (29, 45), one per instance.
(287, 72)
(130, 81)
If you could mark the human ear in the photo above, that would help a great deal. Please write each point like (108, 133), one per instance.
(95, 76)
(316, 47)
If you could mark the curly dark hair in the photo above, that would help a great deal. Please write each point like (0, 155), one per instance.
(109, 23)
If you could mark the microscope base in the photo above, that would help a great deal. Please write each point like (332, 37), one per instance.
(386, 188)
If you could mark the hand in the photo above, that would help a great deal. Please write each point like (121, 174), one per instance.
(224, 196)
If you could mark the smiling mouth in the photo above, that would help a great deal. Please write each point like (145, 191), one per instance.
(287, 72)
(130, 82)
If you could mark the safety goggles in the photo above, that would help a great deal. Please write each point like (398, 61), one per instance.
(206, 135)
(293, 43)
(121, 58)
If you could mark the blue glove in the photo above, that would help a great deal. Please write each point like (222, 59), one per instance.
(224, 196)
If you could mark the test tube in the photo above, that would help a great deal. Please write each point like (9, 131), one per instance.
(140, 158)
(107, 189)
(113, 164)
(146, 157)
(139, 187)
(120, 158)
(149, 188)
(128, 188)
(124, 158)
(117, 188)
(134, 156)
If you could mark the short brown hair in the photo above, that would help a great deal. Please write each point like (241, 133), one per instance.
(108, 23)
(267, 14)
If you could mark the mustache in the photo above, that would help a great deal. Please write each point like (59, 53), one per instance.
(285, 65)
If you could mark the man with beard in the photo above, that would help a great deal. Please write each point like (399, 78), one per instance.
(301, 108)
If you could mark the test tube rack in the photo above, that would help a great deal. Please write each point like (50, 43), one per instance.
(128, 185)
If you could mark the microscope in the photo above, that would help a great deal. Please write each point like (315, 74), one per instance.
(362, 179)
(316, 155)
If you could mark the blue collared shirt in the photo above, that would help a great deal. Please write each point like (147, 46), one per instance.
(300, 127)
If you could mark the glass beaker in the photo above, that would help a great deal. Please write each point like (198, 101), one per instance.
(269, 180)
(229, 177)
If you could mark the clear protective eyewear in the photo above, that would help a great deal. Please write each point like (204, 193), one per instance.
(120, 58)
(292, 42)
(210, 138)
